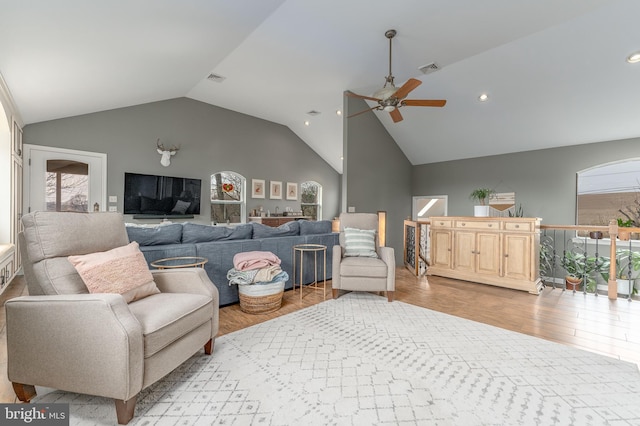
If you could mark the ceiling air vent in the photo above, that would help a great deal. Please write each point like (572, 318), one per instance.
(216, 77)
(429, 68)
(313, 112)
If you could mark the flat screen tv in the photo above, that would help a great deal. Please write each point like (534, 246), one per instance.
(150, 196)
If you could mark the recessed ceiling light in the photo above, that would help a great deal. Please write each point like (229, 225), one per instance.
(483, 97)
(338, 112)
(307, 122)
(634, 58)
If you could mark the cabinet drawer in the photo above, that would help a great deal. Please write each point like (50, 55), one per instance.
(463, 224)
(441, 224)
(518, 226)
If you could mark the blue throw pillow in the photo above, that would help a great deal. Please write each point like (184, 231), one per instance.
(284, 230)
(310, 227)
(155, 236)
(194, 233)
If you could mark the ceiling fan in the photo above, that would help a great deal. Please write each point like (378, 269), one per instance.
(390, 98)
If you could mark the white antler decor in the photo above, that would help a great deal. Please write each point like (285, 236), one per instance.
(166, 153)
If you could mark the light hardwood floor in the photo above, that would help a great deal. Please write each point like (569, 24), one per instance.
(596, 324)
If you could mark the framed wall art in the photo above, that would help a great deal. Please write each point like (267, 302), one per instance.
(276, 190)
(257, 188)
(292, 191)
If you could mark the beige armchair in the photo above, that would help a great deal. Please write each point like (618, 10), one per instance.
(63, 337)
(356, 271)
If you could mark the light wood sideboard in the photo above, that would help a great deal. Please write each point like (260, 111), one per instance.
(489, 250)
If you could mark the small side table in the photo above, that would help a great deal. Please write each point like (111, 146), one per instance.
(298, 267)
(180, 262)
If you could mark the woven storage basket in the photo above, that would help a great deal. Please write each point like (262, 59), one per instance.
(261, 298)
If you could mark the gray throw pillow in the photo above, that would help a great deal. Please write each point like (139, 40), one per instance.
(157, 235)
(195, 233)
(310, 227)
(284, 230)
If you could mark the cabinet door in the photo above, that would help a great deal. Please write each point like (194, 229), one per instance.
(465, 251)
(488, 253)
(517, 256)
(441, 248)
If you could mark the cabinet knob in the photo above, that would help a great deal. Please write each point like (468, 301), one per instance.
(517, 226)
(462, 224)
(490, 225)
(506, 255)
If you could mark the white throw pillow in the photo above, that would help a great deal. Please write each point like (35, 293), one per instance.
(360, 242)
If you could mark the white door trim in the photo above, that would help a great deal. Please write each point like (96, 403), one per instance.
(26, 174)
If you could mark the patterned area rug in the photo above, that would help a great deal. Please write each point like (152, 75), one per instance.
(360, 360)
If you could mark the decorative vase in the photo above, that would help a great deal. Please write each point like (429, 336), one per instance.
(481, 211)
(625, 286)
(573, 283)
(623, 235)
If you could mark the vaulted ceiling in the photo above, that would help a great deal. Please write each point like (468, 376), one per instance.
(555, 71)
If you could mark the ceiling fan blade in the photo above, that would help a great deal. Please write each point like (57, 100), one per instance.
(355, 95)
(403, 91)
(424, 102)
(395, 115)
(362, 112)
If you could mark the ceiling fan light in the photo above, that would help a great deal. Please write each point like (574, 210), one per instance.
(385, 93)
(389, 108)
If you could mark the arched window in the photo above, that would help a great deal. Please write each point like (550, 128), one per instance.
(311, 199)
(609, 191)
(228, 200)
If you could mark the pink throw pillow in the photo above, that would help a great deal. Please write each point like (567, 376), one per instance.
(122, 270)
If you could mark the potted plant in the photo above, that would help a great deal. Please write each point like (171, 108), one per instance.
(623, 234)
(627, 267)
(579, 267)
(481, 196)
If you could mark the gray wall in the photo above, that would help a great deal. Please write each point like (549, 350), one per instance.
(544, 180)
(377, 174)
(212, 139)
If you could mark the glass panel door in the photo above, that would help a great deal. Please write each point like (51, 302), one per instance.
(64, 180)
(67, 186)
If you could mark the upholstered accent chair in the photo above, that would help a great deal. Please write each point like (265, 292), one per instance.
(64, 337)
(359, 262)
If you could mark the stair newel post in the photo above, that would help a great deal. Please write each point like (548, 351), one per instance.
(612, 287)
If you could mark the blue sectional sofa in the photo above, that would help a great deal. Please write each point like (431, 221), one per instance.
(219, 244)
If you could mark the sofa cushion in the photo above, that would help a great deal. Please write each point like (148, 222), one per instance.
(363, 267)
(180, 313)
(122, 270)
(194, 233)
(310, 227)
(284, 230)
(360, 242)
(157, 235)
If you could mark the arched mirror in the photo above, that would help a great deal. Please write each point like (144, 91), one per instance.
(425, 206)
(609, 191)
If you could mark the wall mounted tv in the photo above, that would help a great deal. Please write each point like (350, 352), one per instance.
(151, 196)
